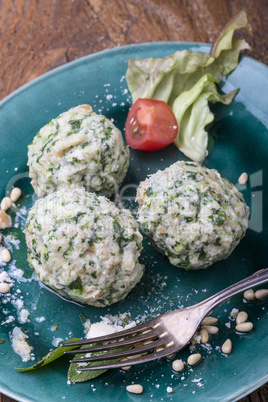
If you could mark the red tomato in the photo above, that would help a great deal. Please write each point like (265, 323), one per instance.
(150, 125)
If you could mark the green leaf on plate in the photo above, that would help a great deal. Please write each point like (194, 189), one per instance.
(76, 375)
(51, 356)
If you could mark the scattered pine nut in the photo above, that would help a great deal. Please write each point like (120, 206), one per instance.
(210, 329)
(243, 179)
(209, 321)
(178, 365)
(204, 335)
(227, 346)
(6, 203)
(80, 108)
(159, 349)
(135, 388)
(194, 359)
(261, 293)
(126, 368)
(15, 194)
(242, 316)
(147, 342)
(4, 287)
(146, 331)
(134, 356)
(5, 220)
(249, 295)
(5, 255)
(171, 356)
(244, 327)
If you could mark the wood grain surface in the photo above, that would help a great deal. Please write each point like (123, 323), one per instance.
(39, 35)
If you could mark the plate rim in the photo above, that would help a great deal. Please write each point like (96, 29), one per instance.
(64, 66)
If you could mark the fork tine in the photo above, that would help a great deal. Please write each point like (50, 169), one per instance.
(124, 343)
(124, 353)
(106, 338)
(131, 362)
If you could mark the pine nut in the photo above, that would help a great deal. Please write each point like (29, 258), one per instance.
(244, 327)
(204, 335)
(147, 342)
(125, 368)
(159, 349)
(15, 194)
(171, 356)
(4, 287)
(209, 321)
(261, 293)
(194, 359)
(227, 346)
(0, 238)
(178, 365)
(5, 220)
(6, 203)
(249, 295)
(134, 356)
(243, 179)
(241, 317)
(210, 329)
(81, 108)
(135, 388)
(5, 255)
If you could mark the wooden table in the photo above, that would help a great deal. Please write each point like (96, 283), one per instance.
(38, 35)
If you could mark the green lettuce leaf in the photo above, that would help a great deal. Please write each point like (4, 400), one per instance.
(51, 356)
(191, 109)
(225, 41)
(184, 77)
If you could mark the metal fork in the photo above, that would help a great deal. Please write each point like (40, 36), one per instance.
(160, 337)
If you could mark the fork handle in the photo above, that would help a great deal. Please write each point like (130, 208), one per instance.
(257, 278)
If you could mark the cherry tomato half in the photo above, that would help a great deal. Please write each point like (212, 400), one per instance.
(150, 125)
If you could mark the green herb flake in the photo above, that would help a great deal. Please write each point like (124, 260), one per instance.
(76, 284)
(83, 318)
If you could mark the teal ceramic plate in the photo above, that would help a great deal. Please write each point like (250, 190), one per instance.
(240, 145)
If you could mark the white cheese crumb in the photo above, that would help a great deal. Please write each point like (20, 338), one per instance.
(169, 390)
(108, 325)
(234, 312)
(4, 277)
(23, 316)
(9, 319)
(56, 342)
(20, 345)
(40, 319)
